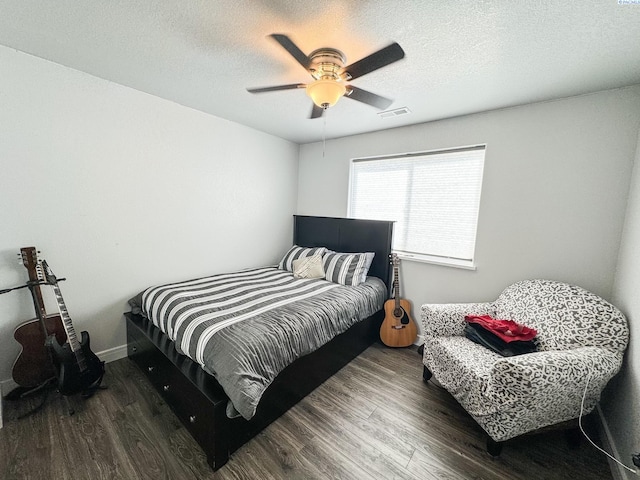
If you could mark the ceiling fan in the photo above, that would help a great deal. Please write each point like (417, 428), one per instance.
(326, 66)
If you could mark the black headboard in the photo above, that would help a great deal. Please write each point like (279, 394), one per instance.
(348, 235)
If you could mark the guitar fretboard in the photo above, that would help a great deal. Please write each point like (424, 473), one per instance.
(396, 282)
(397, 312)
(72, 338)
(36, 275)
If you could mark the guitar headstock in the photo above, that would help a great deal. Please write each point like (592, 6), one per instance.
(48, 274)
(32, 263)
(394, 259)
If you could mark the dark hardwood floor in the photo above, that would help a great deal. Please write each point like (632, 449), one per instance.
(373, 419)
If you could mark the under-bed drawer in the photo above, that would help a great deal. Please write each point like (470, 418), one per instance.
(192, 395)
(139, 348)
(187, 402)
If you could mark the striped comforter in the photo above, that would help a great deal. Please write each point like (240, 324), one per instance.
(246, 327)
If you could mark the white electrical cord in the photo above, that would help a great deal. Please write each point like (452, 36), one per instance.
(584, 394)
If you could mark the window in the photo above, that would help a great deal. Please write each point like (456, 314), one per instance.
(434, 198)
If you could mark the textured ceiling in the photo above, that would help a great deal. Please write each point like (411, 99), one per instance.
(461, 56)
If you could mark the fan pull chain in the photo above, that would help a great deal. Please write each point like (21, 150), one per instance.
(324, 131)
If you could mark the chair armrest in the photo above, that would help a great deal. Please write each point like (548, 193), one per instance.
(554, 376)
(447, 319)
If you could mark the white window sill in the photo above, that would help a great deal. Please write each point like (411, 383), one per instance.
(443, 261)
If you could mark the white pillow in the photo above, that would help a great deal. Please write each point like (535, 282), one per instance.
(308, 267)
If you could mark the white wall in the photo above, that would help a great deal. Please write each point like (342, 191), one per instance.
(622, 399)
(554, 193)
(120, 190)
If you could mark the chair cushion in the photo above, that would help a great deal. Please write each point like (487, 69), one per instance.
(464, 369)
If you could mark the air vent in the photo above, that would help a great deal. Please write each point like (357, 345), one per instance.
(394, 113)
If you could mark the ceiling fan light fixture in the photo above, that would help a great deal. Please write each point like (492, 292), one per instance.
(327, 67)
(325, 93)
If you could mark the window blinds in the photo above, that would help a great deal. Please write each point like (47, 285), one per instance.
(433, 197)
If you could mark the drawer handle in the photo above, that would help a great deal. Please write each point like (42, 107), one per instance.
(151, 369)
(134, 349)
(192, 419)
(166, 388)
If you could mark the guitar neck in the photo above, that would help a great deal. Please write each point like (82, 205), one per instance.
(72, 338)
(38, 303)
(30, 261)
(396, 285)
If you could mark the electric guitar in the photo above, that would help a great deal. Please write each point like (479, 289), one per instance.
(79, 370)
(34, 367)
(397, 329)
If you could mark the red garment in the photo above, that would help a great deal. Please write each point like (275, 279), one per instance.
(507, 330)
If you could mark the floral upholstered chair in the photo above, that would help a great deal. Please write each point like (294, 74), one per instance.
(581, 338)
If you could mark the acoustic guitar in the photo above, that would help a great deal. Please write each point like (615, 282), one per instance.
(34, 365)
(79, 370)
(398, 328)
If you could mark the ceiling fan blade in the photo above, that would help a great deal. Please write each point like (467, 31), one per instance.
(376, 60)
(316, 112)
(292, 48)
(367, 97)
(291, 86)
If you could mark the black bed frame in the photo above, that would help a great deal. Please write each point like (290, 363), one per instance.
(198, 399)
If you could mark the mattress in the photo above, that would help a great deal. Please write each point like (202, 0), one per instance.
(245, 327)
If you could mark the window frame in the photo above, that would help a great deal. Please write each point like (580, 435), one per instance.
(468, 264)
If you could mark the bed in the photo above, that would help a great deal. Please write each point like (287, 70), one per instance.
(197, 398)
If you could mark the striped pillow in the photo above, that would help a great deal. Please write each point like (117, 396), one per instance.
(297, 252)
(347, 268)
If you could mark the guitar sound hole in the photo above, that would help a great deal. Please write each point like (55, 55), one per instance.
(397, 313)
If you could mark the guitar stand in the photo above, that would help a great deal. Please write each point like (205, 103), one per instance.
(20, 393)
(88, 393)
(97, 385)
(85, 394)
(70, 409)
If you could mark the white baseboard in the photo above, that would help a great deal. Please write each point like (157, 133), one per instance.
(113, 354)
(609, 445)
(419, 340)
(109, 355)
